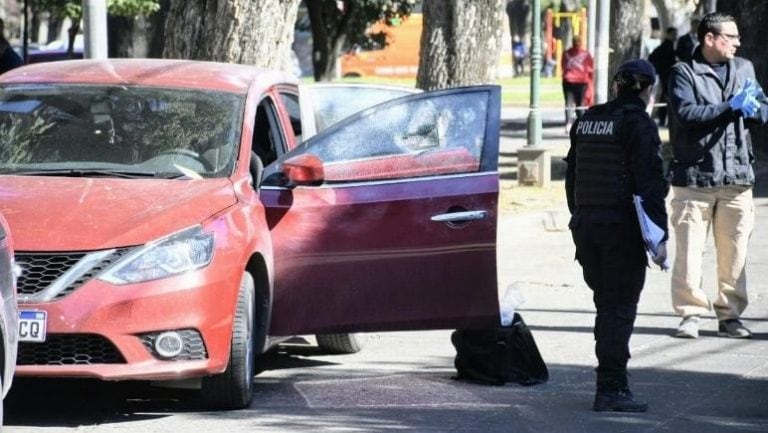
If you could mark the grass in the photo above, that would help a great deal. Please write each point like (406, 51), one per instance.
(514, 91)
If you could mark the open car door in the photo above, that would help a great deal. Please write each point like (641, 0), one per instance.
(387, 219)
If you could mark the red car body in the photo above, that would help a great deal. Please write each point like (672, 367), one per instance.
(318, 244)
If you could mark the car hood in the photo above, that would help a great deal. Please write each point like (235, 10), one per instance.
(79, 214)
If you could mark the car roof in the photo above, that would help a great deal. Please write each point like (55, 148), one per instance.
(191, 74)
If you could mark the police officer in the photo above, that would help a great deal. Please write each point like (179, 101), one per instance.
(615, 153)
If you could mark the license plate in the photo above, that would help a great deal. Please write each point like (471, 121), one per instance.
(32, 326)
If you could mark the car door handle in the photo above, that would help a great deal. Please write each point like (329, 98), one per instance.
(470, 215)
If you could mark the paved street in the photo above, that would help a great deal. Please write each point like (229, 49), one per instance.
(402, 381)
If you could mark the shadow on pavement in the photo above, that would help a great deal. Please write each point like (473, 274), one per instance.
(680, 401)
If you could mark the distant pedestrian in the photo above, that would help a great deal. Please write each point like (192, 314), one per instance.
(686, 43)
(519, 54)
(615, 154)
(8, 57)
(577, 66)
(714, 98)
(663, 58)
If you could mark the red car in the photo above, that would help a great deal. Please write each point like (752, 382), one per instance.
(173, 218)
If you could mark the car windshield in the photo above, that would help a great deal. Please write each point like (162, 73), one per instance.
(122, 131)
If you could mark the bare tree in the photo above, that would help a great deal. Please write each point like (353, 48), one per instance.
(237, 31)
(460, 42)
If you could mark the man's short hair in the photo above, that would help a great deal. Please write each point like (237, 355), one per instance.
(713, 23)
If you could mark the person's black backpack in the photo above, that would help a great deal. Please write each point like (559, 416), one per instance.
(496, 356)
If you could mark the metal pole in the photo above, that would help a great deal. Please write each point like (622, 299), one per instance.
(534, 116)
(591, 25)
(712, 7)
(603, 31)
(95, 29)
(25, 33)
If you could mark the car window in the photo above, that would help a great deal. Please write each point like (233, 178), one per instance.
(326, 104)
(291, 104)
(141, 130)
(267, 139)
(439, 134)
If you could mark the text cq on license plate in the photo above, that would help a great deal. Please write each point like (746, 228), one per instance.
(32, 325)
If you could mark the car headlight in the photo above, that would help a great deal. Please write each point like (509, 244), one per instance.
(181, 252)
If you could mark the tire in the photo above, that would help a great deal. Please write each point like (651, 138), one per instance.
(341, 343)
(233, 389)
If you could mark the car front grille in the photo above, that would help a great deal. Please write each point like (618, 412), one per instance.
(41, 270)
(69, 349)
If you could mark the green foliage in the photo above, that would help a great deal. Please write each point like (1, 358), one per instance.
(73, 8)
(363, 14)
(129, 8)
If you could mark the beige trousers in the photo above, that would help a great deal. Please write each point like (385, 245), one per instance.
(729, 210)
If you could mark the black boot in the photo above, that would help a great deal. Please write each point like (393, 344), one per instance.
(613, 394)
(618, 400)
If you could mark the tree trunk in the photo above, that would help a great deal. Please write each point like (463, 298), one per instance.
(460, 42)
(256, 33)
(120, 33)
(327, 41)
(518, 14)
(34, 26)
(54, 28)
(156, 30)
(626, 32)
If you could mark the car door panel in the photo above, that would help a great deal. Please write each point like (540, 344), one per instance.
(366, 252)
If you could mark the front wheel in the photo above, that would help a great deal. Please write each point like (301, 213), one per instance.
(233, 389)
(341, 343)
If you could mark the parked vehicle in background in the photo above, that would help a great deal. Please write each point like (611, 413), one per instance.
(9, 313)
(40, 56)
(51, 52)
(174, 218)
(399, 57)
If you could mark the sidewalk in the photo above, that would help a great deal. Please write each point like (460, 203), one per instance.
(710, 384)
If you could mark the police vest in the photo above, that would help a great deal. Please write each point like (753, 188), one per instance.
(602, 177)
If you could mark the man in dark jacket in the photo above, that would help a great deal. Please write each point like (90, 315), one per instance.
(687, 42)
(663, 58)
(713, 99)
(8, 57)
(615, 154)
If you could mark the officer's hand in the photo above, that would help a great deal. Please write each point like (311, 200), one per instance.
(661, 255)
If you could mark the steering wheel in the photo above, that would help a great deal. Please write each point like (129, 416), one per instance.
(188, 153)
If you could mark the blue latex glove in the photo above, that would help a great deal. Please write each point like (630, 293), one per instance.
(746, 91)
(750, 106)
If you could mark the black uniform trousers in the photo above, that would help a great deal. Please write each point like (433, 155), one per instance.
(612, 255)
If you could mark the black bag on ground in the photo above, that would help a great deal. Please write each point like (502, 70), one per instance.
(496, 356)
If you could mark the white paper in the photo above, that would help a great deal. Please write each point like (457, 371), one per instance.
(652, 234)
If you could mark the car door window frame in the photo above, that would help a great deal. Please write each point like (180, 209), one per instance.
(488, 158)
(273, 134)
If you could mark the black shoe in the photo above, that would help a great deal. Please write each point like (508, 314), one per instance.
(732, 328)
(618, 401)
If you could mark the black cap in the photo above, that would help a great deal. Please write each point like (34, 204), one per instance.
(638, 67)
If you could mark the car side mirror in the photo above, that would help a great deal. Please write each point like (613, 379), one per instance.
(304, 169)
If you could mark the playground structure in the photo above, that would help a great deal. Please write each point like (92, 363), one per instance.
(558, 28)
(565, 24)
